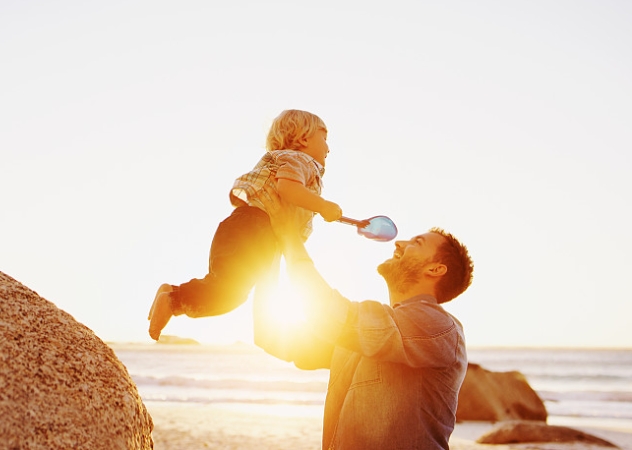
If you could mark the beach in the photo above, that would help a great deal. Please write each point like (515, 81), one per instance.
(224, 426)
(238, 397)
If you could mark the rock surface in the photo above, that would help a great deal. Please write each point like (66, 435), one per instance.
(521, 431)
(62, 387)
(497, 396)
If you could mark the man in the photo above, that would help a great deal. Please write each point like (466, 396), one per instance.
(395, 370)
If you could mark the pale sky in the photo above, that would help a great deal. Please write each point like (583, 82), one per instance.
(124, 123)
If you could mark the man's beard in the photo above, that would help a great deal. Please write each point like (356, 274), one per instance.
(401, 274)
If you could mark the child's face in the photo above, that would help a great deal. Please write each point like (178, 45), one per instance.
(316, 145)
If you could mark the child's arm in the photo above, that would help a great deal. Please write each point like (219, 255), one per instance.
(295, 193)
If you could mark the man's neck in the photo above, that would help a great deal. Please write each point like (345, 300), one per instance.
(400, 296)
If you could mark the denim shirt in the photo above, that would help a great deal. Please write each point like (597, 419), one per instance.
(395, 373)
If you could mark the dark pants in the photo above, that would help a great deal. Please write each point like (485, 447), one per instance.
(243, 249)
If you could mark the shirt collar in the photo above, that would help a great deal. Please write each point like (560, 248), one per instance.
(319, 166)
(427, 298)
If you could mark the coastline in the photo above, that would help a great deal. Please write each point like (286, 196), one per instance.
(194, 394)
(180, 426)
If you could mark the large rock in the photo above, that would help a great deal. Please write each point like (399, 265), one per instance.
(62, 387)
(520, 431)
(496, 396)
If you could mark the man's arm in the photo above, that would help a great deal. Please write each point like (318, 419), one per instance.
(289, 342)
(287, 230)
(311, 346)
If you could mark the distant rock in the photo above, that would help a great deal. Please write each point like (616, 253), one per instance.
(166, 339)
(62, 387)
(521, 431)
(497, 396)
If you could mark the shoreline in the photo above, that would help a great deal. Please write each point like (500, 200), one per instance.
(191, 426)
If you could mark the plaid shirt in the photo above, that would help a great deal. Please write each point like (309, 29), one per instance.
(289, 164)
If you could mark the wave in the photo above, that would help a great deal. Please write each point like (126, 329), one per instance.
(231, 384)
(590, 409)
(588, 396)
(231, 400)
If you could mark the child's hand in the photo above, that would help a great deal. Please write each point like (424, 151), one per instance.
(331, 211)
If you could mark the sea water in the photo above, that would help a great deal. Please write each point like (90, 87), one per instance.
(593, 386)
(237, 373)
(590, 385)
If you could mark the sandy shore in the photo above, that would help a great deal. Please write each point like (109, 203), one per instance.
(226, 426)
(183, 426)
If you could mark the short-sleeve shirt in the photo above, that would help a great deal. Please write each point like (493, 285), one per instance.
(288, 164)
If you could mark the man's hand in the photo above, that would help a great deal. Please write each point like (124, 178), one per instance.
(283, 216)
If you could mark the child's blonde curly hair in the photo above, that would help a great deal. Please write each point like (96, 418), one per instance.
(290, 127)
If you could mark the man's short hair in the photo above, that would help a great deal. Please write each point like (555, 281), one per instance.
(460, 271)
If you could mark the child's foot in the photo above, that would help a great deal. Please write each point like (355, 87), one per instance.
(160, 311)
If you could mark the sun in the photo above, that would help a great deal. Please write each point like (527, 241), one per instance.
(285, 305)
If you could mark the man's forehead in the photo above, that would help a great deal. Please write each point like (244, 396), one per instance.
(428, 237)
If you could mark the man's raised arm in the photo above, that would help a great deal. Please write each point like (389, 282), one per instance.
(298, 344)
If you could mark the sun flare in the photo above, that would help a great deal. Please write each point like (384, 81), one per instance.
(285, 305)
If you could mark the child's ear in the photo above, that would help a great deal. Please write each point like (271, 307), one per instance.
(302, 141)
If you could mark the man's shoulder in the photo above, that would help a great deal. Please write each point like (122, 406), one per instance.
(430, 315)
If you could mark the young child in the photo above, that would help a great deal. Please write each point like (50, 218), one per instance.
(244, 245)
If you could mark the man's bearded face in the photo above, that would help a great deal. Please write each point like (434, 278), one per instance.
(402, 273)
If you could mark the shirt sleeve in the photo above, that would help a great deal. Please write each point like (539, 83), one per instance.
(298, 346)
(293, 166)
(416, 334)
(311, 345)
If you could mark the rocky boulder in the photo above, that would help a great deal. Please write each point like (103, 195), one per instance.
(61, 386)
(497, 396)
(520, 431)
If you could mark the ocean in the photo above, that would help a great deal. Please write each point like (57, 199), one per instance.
(591, 387)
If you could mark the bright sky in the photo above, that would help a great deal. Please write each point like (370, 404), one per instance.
(124, 123)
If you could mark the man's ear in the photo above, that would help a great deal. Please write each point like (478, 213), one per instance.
(437, 270)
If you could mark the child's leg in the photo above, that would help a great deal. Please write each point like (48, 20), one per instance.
(242, 251)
